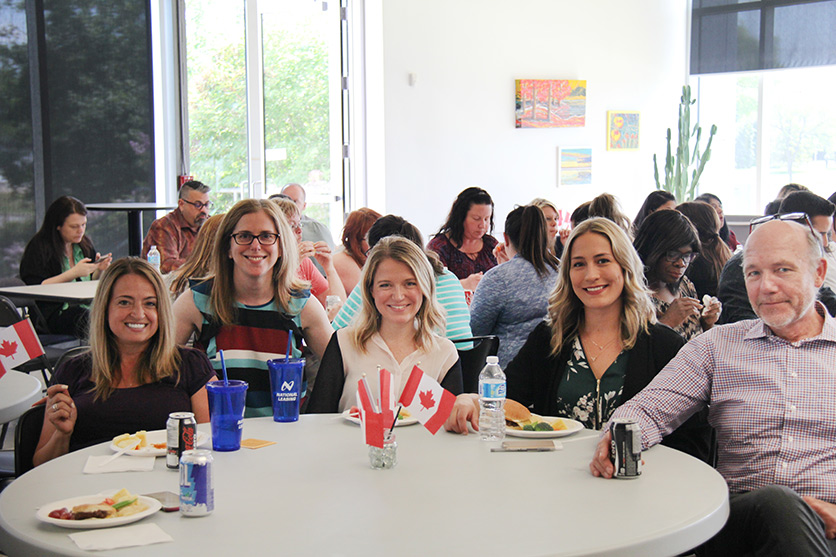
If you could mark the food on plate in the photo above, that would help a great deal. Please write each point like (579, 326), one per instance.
(519, 417)
(126, 440)
(122, 503)
(354, 412)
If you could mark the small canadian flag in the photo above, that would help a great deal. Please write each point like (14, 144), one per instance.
(18, 344)
(428, 401)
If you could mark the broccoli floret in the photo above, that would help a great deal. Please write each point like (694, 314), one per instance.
(542, 426)
(528, 427)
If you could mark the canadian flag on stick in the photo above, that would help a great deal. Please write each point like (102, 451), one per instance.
(18, 344)
(371, 418)
(428, 401)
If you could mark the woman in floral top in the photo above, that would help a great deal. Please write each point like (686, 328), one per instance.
(667, 242)
(600, 344)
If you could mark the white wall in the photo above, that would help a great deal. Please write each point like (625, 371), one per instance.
(455, 127)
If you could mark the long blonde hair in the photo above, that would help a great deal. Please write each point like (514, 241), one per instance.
(285, 280)
(161, 358)
(199, 262)
(429, 317)
(566, 312)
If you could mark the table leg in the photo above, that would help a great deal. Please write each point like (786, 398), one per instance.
(134, 233)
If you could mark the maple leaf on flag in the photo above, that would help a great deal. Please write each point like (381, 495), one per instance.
(7, 348)
(426, 399)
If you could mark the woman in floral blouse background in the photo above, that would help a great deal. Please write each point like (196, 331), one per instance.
(600, 344)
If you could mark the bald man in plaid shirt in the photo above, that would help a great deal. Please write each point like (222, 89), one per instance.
(771, 386)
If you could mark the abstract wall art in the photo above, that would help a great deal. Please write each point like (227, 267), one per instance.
(574, 166)
(550, 103)
(622, 130)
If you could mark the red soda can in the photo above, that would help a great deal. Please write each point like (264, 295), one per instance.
(180, 430)
(626, 448)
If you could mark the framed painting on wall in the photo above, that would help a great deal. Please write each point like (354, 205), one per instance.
(622, 130)
(550, 103)
(574, 166)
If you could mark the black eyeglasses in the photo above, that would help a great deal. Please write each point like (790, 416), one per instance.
(800, 218)
(198, 205)
(246, 238)
(675, 255)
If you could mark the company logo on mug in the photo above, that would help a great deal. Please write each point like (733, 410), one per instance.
(287, 385)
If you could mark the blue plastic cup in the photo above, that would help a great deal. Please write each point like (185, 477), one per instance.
(286, 387)
(226, 413)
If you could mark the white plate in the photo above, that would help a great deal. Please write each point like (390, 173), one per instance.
(87, 524)
(403, 422)
(158, 436)
(572, 427)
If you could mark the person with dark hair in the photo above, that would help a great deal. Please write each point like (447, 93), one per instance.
(667, 242)
(655, 201)
(61, 252)
(448, 289)
(513, 298)
(731, 289)
(705, 270)
(175, 233)
(725, 232)
(350, 258)
(464, 243)
(133, 376)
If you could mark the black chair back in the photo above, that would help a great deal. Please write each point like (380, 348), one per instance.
(473, 359)
(27, 435)
(8, 312)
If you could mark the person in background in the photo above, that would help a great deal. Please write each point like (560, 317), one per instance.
(512, 298)
(726, 233)
(657, 200)
(349, 260)
(552, 216)
(606, 206)
(768, 386)
(198, 264)
(667, 243)
(253, 301)
(464, 243)
(175, 233)
(312, 230)
(395, 330)
(731, 290)
(134, 375)
(448, 289)
(321, 287)
(600, 344)
(704, 271)
(59, 252)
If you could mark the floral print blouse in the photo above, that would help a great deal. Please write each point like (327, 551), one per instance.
(692, 326)
(584, 398)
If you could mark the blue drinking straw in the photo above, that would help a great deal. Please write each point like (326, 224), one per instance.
(223, 367)
(289, 346)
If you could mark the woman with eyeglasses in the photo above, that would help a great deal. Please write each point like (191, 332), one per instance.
(252, 301)
(667, 243)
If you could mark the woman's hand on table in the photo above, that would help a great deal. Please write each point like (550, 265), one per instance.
(465, 410)
(471, 282)
(601, 465)
(680, 310)
(60, 409)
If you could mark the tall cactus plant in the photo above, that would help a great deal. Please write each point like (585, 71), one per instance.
(677, 178)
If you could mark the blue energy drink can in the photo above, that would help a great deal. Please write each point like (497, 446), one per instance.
(197, 488)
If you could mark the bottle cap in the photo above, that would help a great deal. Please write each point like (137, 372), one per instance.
(492, 360)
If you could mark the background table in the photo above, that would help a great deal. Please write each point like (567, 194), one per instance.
(313, 493)
(77, 291)
(18, 391)
(134, 211)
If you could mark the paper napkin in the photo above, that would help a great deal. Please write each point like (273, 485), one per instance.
(121, 464)
(125, 536)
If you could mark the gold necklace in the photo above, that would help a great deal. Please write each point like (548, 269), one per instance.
(600, 348)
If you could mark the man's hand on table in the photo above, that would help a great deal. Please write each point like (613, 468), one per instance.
(601, 465)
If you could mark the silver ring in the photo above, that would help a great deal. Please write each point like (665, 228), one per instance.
(55, 407)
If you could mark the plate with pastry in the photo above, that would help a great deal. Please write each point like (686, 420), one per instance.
(98, 511)
(405, 418)
(520, 422)
(151, 443)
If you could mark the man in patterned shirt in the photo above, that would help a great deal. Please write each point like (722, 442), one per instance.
(771, 386)
(175, 234)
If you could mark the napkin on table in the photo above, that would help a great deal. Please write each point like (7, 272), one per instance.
(120, 464)
(125, 536)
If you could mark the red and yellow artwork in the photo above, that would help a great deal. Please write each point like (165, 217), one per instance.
(622, 131)
(550, 103)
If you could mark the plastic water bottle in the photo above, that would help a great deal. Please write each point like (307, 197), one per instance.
(492, 401)
(154, 257)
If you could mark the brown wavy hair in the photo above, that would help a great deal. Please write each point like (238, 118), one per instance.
(354, 232)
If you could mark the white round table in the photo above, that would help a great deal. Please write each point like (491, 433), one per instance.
(313, 493)
(18, 391)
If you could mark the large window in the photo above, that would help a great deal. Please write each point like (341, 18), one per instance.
(774, 128)
(265, 100)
